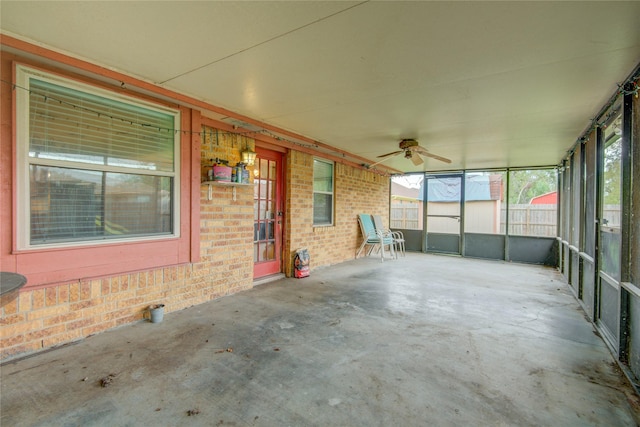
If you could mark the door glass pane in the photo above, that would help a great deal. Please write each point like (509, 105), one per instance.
(272, 170)
(270, 251)
(270, 194)
(270, 234)
(272, 209)
(261, 252)
(263, 188)
(264, 169)
(263, 209)
(266, 251)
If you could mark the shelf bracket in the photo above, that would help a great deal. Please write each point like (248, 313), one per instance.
(210, 192)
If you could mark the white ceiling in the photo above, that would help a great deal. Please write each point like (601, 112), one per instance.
(486, 84)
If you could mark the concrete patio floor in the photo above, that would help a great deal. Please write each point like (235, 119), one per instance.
(422, 340)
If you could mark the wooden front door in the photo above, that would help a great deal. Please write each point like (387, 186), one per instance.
(268, 213)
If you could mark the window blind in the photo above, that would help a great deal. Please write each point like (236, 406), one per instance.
(74, 126)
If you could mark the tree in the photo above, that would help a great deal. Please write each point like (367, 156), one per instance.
(612, 173)
(527, 184)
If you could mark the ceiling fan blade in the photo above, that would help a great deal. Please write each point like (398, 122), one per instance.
(416, 159)
(385, 158)
(426, 152)
(394, 153)
(435, 156)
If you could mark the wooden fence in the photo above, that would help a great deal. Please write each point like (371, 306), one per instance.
(530, 220)
(524, 219)
(406, 215)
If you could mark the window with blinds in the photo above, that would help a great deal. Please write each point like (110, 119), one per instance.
(95, 166)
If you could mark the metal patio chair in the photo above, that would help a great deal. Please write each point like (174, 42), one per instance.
(376, 239)
(397, 236)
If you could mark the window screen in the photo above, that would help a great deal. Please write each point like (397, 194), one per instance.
(533, 202)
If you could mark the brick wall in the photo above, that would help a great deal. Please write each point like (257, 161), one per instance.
(37, 319)
(356, 191)
(57, 314)
(42, 318)
(226, 225)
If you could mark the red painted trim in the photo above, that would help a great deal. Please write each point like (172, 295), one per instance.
(14, 160)
(55, 266)
(194, 188)
(267, 146)
(7, 167)
(184, 249)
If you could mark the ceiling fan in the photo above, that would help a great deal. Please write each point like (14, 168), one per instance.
(412, 150)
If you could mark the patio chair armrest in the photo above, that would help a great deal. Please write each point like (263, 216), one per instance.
(397, 235)
(372, 235)
(383, 233)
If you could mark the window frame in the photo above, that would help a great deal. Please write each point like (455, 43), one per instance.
(23, 75)
(330, 193)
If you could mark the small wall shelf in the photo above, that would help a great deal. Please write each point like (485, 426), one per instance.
(225, 184)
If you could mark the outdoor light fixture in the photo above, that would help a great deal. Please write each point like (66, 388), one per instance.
(248, 157)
